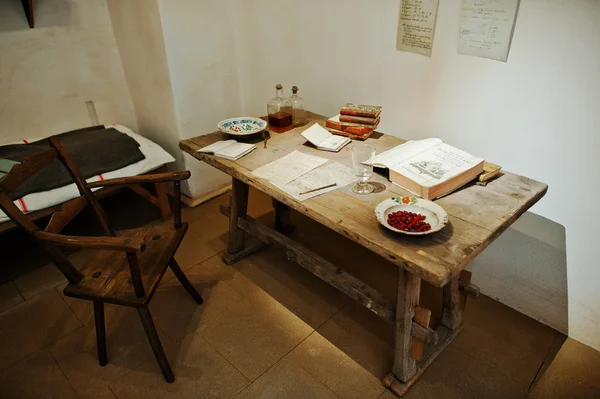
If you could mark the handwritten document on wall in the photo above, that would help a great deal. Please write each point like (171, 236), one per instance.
(486, 28)
(416, 26)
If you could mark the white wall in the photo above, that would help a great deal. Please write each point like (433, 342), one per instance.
(139, 35)
(48, 73)
(537, 115)
(203, 73)
(182, 76)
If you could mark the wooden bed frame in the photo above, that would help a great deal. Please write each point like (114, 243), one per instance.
(160, 200)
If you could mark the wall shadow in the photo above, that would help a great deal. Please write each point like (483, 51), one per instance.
(526, 268)
(47, 13)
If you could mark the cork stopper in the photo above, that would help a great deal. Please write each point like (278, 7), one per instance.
(294, 89)
(279, 86)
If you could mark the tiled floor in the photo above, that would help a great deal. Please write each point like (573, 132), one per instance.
(267, 329)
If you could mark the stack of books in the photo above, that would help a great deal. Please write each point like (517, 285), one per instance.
(355, 121)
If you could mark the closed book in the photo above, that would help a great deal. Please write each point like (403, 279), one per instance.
(362, 136)
(363, 120)
(429, 168)
(358, 128)
(371, 111)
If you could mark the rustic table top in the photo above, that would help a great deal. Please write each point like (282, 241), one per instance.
(477, 215)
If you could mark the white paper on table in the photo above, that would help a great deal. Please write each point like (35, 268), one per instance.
(332, 172)
(486, 28)
(289, 167)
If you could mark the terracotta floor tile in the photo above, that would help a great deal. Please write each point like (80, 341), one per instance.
(363, 336)
(194, 250)
(288, 380)
(455, 374)
(208, 210)
(252, 332)
(304, 294)
(127, 349)
(29, 326)
(39, 280)
(9, 296)
(177, 314)
(573, 373)
(37, 376)
(334, 369)
(505, 339)
(84, 310)
(48, 276)
(200, 372)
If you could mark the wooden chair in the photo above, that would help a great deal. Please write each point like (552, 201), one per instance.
(129, 266)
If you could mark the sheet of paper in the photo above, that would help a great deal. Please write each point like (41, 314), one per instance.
(289, 167)
(416, 26)
(332, 172)
(486, 28)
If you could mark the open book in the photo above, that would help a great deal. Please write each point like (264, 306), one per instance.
(323, 140)
(228, 149)
(429, 168)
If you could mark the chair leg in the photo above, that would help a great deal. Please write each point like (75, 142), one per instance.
(100, 332)
(184, 281)
(157, 348)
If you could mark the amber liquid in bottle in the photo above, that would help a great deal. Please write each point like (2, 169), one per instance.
(279, 111)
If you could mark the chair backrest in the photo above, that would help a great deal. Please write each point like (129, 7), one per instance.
(20, 173)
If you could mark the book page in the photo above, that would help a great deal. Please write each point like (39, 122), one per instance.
(403, 152)
(235, 150)
(332, 172)
(334, 142)
(289, 167)
(486, 28)
(316, 134)
(416, 26)
(214, 147)
(436, 165)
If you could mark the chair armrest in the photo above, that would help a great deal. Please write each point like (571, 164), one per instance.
(154, 178)
(129, 244)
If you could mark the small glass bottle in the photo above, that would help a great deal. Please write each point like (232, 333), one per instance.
(279, 110)
(298, 116)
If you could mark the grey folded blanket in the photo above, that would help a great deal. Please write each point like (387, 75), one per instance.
(95, 150)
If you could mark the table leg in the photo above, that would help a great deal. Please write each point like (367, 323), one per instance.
(236, 250)
(452, 313)
(239, 206)
(408, 296)
(406, 370)
(283, 220)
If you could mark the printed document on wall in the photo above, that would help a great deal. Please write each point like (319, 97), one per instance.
(486, 28)
(416, 26)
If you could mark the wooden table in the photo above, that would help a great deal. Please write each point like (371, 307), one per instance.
(477, 215)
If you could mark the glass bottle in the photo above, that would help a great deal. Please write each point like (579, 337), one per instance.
(279, 109)
(298, 117)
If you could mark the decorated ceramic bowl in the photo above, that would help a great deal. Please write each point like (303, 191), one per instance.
(242, 126)
(434, 214)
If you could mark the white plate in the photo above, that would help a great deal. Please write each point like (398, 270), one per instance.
(242, 126)
(435, 215)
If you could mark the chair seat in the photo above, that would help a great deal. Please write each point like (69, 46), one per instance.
(107, 275)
